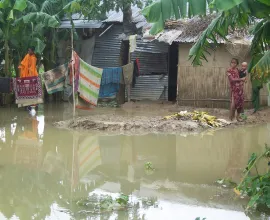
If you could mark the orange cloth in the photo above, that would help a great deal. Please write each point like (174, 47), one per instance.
(28, 66)
(32, 134)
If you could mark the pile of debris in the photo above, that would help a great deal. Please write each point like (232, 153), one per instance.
(202, 118)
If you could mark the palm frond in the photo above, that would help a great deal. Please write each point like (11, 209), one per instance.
(41, 17)
(261, 33)
(32, 7)
(208, 39)
(162, 10)
(261, 69)
(51, 7)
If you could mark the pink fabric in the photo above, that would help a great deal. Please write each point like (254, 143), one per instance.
(237, 89)
(76, 65)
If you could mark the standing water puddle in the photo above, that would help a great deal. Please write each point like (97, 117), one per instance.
(47, 173)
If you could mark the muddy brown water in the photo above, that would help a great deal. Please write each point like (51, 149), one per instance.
(44, 171)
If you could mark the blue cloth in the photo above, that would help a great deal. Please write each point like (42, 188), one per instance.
(110, 82)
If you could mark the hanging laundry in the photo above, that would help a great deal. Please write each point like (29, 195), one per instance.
(5, 85)
(89, 82)
(110, 82)
(28, 90)
(76, 63)
(55, 79)
(82, 104)
(132, 43)
(128, 73)
(136, 71)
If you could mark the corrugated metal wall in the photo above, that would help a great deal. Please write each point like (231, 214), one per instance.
(152, 84)
(151, 63)
(151, 47)
(107, 48)
(150, 87)
(153, 56)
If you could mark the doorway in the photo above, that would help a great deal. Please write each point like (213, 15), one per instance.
(173, 72)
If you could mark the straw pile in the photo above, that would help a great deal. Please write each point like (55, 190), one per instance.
(200, 117)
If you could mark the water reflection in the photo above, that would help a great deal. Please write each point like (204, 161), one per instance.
(44, 171)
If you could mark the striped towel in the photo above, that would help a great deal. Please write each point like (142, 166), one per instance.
(55, 79)
(89, 155)
(89, 82)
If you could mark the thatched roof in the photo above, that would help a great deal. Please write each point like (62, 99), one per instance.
(189, 30)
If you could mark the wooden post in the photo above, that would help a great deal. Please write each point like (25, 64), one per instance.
(73, 75)
(128, 86)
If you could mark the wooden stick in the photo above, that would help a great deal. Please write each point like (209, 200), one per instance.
(73, 75)
(128, 86)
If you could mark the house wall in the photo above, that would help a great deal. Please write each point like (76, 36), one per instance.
(85, 49)
(108, 48)
(152, 84)
(208, 85)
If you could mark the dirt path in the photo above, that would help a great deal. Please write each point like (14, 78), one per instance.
(136, 118)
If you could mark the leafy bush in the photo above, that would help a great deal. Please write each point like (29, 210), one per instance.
(257, 186)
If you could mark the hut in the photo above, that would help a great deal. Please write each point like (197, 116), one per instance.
(106, 44)
(206, 85)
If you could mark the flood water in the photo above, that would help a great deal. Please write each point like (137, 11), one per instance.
(45, 171)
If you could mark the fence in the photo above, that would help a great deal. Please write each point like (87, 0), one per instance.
(209, 87)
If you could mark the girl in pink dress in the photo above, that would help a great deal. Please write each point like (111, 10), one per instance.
(237, 90)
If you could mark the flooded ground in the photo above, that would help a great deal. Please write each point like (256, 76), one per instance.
(45, 172)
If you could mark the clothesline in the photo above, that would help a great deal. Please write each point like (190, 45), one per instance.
(90, 83)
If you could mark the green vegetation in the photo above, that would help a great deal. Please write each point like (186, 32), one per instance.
(149, 168)
(25, 23)
(226, 183)
(254, 185)
(230, 15)
(104, 203)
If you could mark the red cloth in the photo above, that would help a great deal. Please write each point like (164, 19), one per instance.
(28, 90)
(28, 87)
(237, 89)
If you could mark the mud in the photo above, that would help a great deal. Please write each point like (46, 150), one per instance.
(149, 118)
(137, 124)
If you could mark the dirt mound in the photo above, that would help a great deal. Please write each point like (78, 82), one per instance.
(136, 124)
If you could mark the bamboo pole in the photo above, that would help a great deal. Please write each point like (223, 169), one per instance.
(73, 75)
(128, 86)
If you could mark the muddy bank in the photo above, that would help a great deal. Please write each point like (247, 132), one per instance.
(149, 118)
(136, 118)
(136, 124)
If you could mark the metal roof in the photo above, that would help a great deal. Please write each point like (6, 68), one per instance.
(137, 18)
(81, 23)
(112, 17)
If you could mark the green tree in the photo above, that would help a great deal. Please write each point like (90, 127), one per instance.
(20, 24)
(34, 22)
(230, 14)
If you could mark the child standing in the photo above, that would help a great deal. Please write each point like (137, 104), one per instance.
(242, 75)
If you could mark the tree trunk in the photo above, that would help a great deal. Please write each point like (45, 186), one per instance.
(49, 53)
(17, 60)
(6, 58)
(129, 27)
